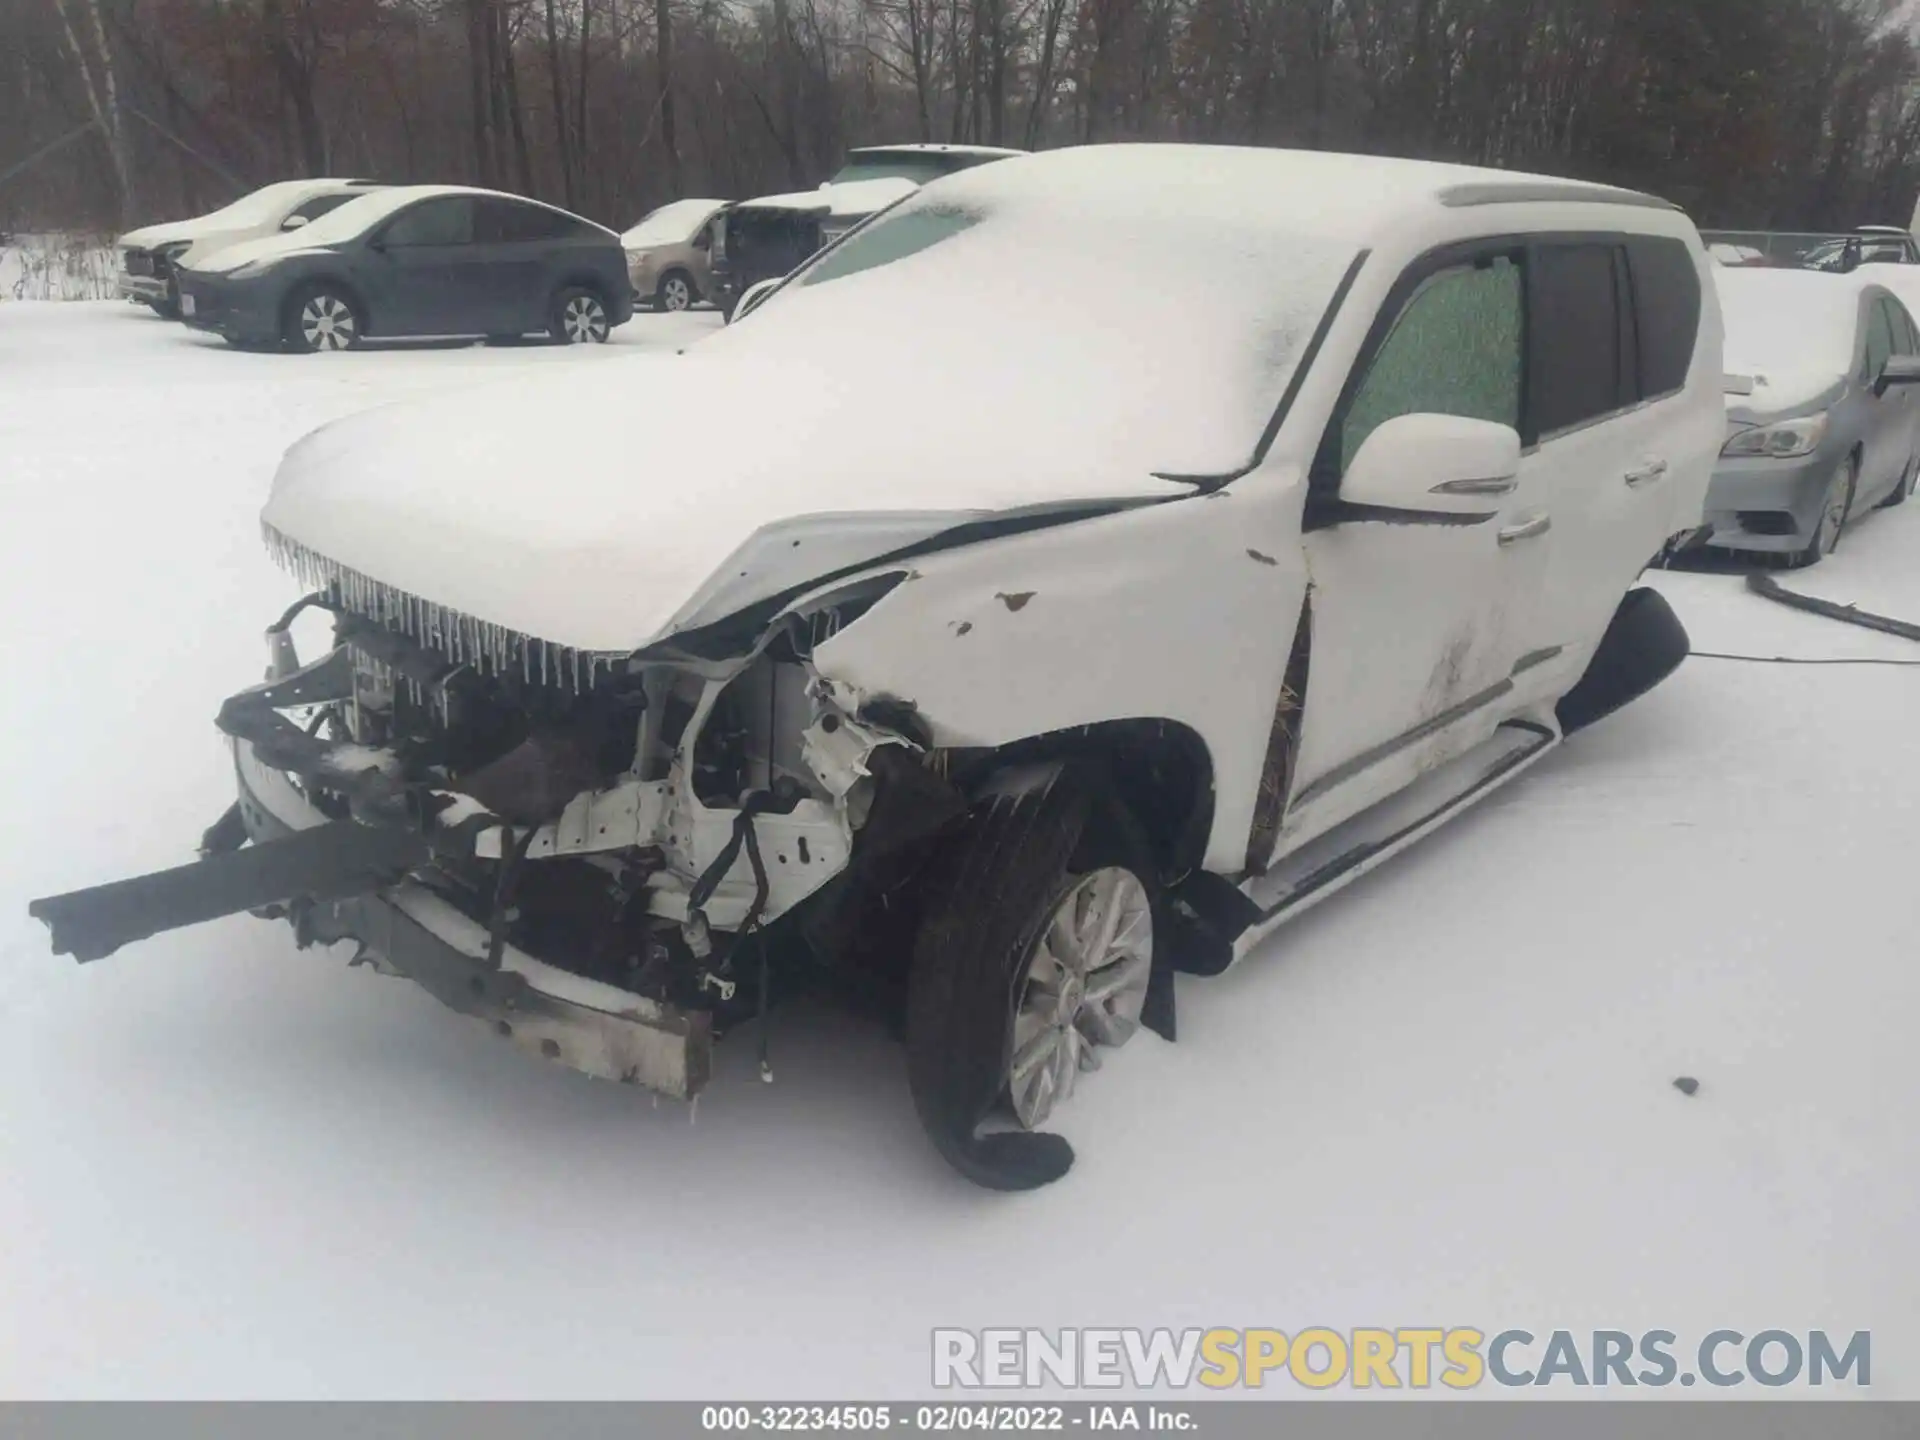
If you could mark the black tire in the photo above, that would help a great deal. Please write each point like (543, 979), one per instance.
(675, 292)
(322, 317)
(1846, 481)
(991, 893)
(1644, 644)
(578, 316)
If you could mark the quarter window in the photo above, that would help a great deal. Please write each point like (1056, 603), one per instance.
(1576, 358)
(1906, 339)
(509, 222)
(1666, 303)
(1880, 346)
(1455, 350)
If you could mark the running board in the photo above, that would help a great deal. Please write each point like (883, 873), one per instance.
(1349, 850)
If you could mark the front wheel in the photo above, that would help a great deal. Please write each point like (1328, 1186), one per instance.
(1835, 504)
(322, 317)
(579, 317)
(1034, 958)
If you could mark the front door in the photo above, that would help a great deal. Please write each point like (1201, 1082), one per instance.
(1888, 442)
(413, 275)
(1414, 620)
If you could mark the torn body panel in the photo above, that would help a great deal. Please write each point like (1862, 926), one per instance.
(1155, 614)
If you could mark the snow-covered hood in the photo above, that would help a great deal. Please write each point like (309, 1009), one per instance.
(1781, 394)
(716, 482)
(220, 259)
(851, 200)
(153, 236)
(602, 506)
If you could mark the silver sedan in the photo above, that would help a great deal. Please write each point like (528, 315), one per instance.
(1822, 410)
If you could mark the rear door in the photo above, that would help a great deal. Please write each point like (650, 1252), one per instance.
(507, 283)
(1613, 428)
(412, 284)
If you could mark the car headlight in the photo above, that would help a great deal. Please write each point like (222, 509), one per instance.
(1781, 441)
(253, 268)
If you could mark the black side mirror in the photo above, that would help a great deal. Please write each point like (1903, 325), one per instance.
(1899, 370)
(377, 244)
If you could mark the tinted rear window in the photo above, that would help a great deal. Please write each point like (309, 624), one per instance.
(1575, 336)
(1666, 303)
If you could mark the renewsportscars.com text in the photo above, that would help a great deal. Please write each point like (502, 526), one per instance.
(1458, 1358)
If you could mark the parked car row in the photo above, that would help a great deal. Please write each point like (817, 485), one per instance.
(322, 264)
(1838, 254)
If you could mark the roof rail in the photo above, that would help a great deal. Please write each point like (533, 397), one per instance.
(1535, 192)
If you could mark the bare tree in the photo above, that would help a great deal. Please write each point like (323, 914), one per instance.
(102, 89)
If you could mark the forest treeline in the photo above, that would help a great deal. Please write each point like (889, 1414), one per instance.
(1751, 113)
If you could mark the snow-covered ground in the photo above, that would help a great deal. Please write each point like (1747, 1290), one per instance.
(228, 1168)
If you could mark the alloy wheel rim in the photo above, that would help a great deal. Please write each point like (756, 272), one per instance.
(584, 320)
(676, 294)
(1084, 989)
(327, 323)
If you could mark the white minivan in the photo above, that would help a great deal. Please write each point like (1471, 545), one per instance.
(1079, 570)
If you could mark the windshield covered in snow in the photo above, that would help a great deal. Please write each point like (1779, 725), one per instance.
(1785, 320)
(672, 224)
(354, 218)
(1180, 324)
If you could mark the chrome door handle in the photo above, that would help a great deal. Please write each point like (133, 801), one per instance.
(1646, 474)
(1526, 529)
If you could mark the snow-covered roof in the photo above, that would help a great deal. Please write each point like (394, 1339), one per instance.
(849, 199)
(928, 147)
(1300, 191)
(354, 218)
(672, 224)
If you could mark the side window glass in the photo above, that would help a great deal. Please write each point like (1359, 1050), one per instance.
(1879, 342)
(499, 222)
(447, 221)
(1455, 350)
(1574, 347)
(321, 204)
(1666, 303)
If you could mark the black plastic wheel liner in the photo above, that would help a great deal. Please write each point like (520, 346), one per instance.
(1644, 644)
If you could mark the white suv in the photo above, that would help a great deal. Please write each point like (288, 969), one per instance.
(1127, 547)
(149, 256)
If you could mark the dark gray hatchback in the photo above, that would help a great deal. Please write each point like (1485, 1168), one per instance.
(416, 261)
